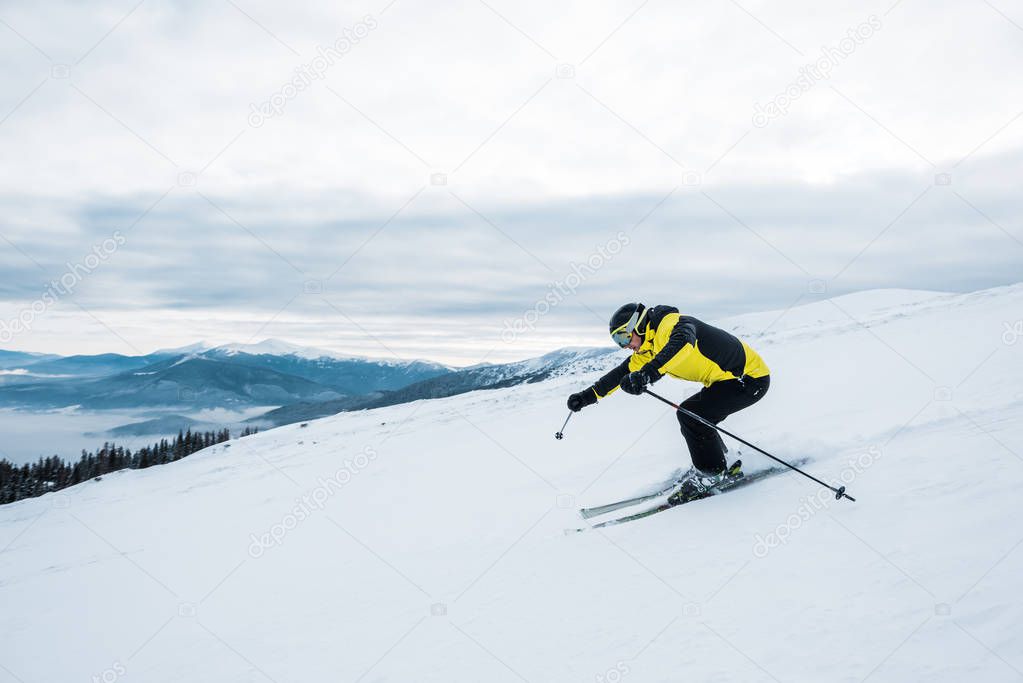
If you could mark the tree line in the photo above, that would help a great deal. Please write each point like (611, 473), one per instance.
(54, 473)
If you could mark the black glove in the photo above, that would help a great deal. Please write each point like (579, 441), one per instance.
(635, 382)
(577, 402)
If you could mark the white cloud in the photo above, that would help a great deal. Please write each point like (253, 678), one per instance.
(554, 165)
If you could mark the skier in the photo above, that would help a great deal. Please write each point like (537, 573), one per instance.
(664, 342)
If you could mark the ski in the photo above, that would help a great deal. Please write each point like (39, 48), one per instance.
(661, 507)
(598, 510)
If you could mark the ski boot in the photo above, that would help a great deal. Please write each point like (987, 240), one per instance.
(696, 484)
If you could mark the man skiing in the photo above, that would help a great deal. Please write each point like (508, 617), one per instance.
(664, 342)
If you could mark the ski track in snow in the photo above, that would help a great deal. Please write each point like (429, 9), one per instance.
(423, 542)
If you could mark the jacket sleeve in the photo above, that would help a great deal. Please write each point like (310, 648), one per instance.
(684, 332)
(609, 382)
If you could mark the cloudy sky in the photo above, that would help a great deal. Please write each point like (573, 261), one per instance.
(488, 179)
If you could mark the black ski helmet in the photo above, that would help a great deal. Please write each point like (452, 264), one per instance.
(625, 321)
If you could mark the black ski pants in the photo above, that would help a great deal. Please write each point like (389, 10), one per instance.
(714, 404)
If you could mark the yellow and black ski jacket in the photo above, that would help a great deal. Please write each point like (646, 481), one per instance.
(685, 348)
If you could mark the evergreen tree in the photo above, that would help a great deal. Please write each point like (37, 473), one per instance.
(53, 473)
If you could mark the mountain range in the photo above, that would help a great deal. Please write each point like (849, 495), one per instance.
(198, 377)
(295, 383)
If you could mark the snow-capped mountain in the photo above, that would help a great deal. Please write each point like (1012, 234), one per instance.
(273, 347)
(424, 541)
(197, 347)
(278, 347)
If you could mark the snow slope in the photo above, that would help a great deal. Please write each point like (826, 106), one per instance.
(423, 542)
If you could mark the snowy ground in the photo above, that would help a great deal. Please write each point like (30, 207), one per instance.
(423, 542)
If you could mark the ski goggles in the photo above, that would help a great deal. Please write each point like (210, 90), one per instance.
(623, 335)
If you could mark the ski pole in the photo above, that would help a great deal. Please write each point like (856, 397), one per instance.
(559, 435)
(839, 492)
